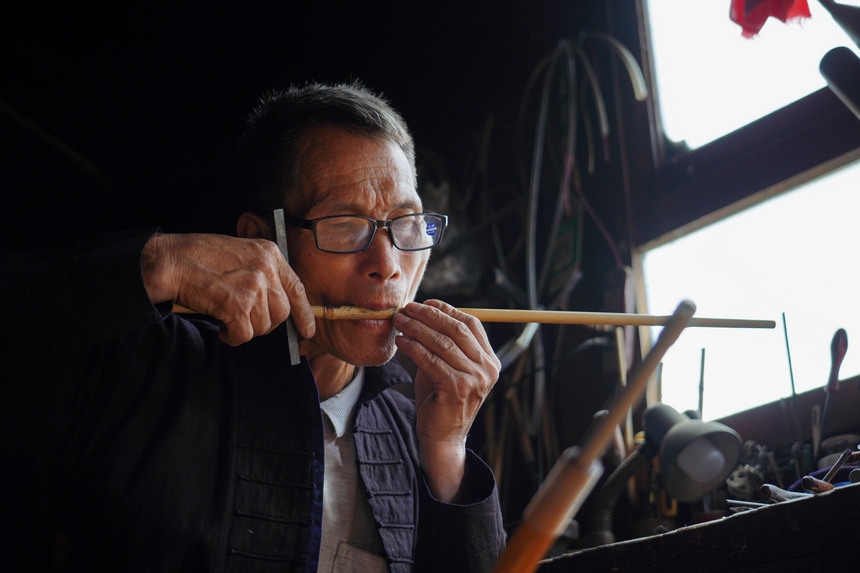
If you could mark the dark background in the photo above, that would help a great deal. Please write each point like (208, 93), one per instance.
(147, 101)
(124, 115)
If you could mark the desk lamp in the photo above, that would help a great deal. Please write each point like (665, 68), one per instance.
(695, 458)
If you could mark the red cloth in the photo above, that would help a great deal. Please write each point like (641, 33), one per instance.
(752, 14)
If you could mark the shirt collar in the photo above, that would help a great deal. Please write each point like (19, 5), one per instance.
(339, 408)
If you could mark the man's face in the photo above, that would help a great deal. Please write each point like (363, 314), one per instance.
(352, 174)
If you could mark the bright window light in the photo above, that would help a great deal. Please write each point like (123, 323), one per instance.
(795, 254)
(711, 80)
(792, 255)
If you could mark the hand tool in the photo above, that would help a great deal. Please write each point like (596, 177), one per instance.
(281, 235)
(796, 448)
(837, 465)
(745, 504)
(838, 348)
(815, 485)
(773, 493)
(816, 431)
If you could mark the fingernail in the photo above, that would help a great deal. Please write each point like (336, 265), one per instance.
(309, 329)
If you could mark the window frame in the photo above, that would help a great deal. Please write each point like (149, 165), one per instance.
(670, 191)
(674, 191)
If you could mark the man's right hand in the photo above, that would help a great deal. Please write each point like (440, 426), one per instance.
(244, 283)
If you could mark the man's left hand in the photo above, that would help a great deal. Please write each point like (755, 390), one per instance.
(457, 369)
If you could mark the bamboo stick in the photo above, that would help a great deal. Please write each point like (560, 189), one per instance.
(544, 317)
(539, 316)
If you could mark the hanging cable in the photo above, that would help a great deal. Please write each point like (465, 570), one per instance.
(602, 117)
(563, 205)
(533, 421)
(637, 78)
(562, 60)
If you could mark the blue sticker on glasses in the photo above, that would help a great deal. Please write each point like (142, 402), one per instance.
(431, 229)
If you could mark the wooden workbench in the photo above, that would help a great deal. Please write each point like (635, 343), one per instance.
(818, 533)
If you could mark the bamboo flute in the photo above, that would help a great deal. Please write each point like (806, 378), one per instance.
(544, 317)
(538, 316)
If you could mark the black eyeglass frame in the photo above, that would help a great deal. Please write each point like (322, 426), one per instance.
(311, 225)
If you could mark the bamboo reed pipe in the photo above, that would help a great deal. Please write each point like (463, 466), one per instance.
(539, 316)
(544, 317)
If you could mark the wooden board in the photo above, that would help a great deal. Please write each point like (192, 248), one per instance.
(818, 533)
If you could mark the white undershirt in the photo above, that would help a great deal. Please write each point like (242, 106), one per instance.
(350, 541)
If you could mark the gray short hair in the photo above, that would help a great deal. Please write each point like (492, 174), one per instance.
(267, 151)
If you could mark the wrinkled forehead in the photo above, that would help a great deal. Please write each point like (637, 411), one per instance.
(343, 168)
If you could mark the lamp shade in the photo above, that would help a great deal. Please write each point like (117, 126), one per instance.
(695, 456)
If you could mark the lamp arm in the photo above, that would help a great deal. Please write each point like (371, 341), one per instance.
(600, 526)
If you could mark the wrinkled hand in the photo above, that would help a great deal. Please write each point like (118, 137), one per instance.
(244, 283)
(457, 369)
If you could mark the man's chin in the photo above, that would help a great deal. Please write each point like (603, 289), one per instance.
(376, 356)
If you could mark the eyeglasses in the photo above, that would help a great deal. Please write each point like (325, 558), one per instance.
(354, 233)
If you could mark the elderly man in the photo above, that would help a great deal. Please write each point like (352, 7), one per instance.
(180, 443)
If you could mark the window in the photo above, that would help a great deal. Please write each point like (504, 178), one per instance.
(712, 80)
(750, 216)
(793, 254)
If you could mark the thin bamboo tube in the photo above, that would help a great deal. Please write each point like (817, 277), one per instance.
(544, 317)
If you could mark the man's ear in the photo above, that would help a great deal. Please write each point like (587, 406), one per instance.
(253, 226)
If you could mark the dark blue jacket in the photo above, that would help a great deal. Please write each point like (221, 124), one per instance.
(167, 450)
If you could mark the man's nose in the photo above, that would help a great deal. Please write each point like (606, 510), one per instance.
(382, 258)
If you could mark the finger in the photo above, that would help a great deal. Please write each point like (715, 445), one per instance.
(278, 306)
(235, 331)
(298, 306)
(472, 322)
(244, 310)
(435, 342)
(245, 316)
(441, 333)
(284, 292)
(431, 364)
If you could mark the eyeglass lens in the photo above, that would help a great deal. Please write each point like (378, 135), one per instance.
(351, 233)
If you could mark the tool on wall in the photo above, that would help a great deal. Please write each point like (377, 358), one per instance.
(838, 348)
(797, 447)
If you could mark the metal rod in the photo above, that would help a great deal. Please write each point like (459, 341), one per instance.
(702, 386)
(831, 473)
(292, 335)
(797, 433)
